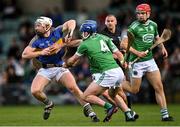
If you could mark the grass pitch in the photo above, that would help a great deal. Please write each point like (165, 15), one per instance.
(72, 116)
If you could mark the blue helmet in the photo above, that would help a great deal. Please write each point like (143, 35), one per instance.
(89, 26)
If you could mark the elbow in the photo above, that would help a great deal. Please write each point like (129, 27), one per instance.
(25, 56)
(72, 21)
(124, 46)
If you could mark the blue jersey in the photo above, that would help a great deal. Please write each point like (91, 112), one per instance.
(44, 42)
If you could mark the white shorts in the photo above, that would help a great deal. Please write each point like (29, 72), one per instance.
(52, 73)
(140, 68)
(110, 78)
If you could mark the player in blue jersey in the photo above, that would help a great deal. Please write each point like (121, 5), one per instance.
(47, 49)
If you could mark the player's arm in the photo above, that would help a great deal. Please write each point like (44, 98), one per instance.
(68, 27)
(119, 55)
(115, 50)
(133, 50)
(72, 60)
(162, 47)
(137, 53)
(30, 52)
(76, 57)
(74, 43)
(124, 40)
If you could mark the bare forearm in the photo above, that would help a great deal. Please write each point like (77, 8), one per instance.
(72, 61)
(119, 56)
(134, 51)
(74, 43)
(30, 55)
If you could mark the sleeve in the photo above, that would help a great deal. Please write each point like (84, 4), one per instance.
(156, 34)
(33, 43)
(131, 28)
(81, 50)
(111, 45)
(59, 30)
(124, 34)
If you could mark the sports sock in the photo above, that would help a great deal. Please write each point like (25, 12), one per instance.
(128, 100)
(128, 113)
(107, 105)
(47, 101)
(164, 113)
(89, 110)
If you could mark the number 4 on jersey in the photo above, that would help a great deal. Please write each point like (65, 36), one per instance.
(104, 47)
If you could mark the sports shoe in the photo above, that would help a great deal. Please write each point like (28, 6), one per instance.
(47, 110)
(170, 118)
(110, 112)
(133, 116)
(95, 118)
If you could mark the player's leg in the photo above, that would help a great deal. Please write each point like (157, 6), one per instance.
(128, 94)
(105, 94)
(92, 92)
(69, 82)
(155, 79)
(120, 93)
(37, 88)
(129, 114)
(91, 95)
(132, 87)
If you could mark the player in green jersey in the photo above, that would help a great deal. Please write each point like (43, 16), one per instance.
(145, 32)
(105, 71)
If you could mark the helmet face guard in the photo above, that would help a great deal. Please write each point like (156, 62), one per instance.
(90, 27)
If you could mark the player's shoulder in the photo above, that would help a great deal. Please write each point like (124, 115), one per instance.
(134, 24)
(102, 36)
(35, 39)
(57, 31)
(151, 22)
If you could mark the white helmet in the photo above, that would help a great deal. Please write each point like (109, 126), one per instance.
(44, 21)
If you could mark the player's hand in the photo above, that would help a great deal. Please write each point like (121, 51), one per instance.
(55, 48)
(142, 54)
(115, 56)
(68, 37)
(45, 52)
(125, 65)
(164, 52)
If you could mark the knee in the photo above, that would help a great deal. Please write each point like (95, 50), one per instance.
(135, 90)
(85, 97)
(105, 94)
(35, 92)
(112, 96)
(158, 87)
(72, 90)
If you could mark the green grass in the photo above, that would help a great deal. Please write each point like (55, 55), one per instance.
(73, 116)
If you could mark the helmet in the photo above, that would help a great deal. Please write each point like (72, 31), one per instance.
(143, 7)
(44, 21)
(89, 26)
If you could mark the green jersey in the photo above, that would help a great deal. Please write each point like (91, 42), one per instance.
(98, 48)
(144, 35)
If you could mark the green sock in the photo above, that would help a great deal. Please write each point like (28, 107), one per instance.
(107, 105)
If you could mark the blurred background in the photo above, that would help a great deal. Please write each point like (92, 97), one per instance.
(16, 30)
